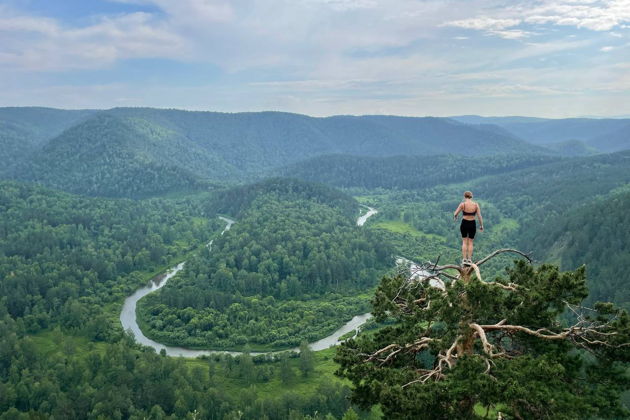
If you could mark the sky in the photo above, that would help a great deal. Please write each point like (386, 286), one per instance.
(545, 58)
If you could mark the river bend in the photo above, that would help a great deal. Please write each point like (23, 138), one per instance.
(130, 323)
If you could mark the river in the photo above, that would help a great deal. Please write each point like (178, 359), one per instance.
(130, 323)
(362, 219)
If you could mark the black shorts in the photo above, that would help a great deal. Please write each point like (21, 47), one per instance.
(468, 228)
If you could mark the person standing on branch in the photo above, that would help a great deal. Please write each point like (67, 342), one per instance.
(468, 228)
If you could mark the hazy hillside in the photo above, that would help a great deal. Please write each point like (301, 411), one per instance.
(23, 130)
(613, 141)
(543, 131)
(405, 172)
(477, 119)
(263, 140)
(573, 148)
(15, 145)
(41, 124)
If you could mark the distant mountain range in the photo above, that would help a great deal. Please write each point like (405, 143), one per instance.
(602, 134)
(134, 152)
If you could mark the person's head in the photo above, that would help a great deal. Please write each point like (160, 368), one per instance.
(467, 194)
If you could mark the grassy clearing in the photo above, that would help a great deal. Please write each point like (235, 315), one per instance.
(51, 342)
(324, 373)
(397, 226)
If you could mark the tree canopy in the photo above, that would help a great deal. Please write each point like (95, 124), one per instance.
(471, 346)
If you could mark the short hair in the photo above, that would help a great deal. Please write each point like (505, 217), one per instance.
(467, 194)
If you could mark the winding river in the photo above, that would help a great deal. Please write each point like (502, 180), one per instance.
(362, 219)
(130, 323)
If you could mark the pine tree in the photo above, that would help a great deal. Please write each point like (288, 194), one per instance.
(307, 359)
(286, 371)
(460, 343)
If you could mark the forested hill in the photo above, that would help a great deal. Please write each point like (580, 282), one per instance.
(220, 146)
(555, 187)
(290, 269)
(618, 139)
(110, 156)
(24, 130)
(234, 201)
(263, 140)
(41, 124)
(562, 211)
(594, 234)
(576, 148)
(406, 172)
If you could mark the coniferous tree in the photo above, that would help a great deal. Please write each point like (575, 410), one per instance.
(307, 359)
(460, 342)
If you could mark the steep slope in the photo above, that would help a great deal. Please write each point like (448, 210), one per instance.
(405, 172)
(594, 234)
(110, 156)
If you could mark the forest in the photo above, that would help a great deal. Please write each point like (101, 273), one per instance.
(95, 204)
(290, 259)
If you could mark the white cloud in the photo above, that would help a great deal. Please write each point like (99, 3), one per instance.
(485, 23)
(607, 48)
(43, 44)
(511, 34)
(594, 15)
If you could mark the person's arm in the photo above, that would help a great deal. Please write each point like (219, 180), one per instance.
(480, 218)
(459, 208)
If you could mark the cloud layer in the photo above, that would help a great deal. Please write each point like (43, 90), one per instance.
(325, 56)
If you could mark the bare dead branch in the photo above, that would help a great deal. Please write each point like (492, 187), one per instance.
(395, 349)
(502, 251)
(509, 286)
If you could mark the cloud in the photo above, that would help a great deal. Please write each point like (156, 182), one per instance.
(320, 56)
(485, 23)
(43, 44)
(594, 15)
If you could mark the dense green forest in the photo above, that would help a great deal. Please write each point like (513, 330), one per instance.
(295, 265)
(66, 263)
(289, 270)
(406, 172)
(594, 234)
(114, 157)
(63, 257)
(527, 209)
(140, 152)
